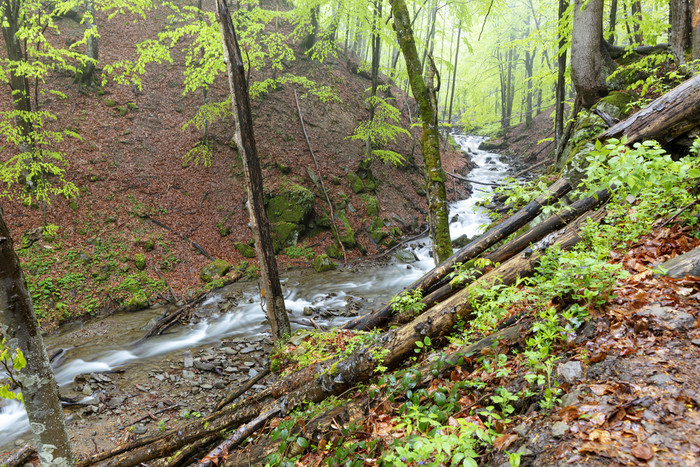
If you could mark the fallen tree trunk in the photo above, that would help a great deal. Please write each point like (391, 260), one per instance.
(493, 236)
(666, 118)
(537, 233)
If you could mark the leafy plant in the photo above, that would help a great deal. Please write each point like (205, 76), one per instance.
(408, 302)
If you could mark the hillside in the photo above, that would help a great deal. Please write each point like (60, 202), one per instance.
(141, 206)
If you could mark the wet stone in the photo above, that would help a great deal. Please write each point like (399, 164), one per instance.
(559, 429)
(140, 429)
(206, 386)
(521, 429)
(187, 374)
(219, 384)
(188, 360)
(204, 366)
(115, 402)
(252, 373)
(570, 398)
(696, 342)
(230, 369)
(247, 350)
(661, 379)
(571, 372)
(228, 351)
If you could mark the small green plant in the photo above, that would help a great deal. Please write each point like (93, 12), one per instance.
(11, 361)
(300, 251)
(408, 302)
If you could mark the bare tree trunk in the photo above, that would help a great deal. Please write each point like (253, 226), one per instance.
(87, 74)
(612, 23)
(454, 72)
(679, 34)
(310, 38)
(376, 54)
(560, 94)
(276, 312)
(20, 328)
(430, 142)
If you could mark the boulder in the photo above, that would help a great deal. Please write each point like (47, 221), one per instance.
(347, 234)
(295, 205)
(356, 183)
(682, 265)
(323, 263)
(245, 249)
(285, 234)
(217, 268)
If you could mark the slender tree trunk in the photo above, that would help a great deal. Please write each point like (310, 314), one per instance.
(245, 139)
(19, 84)
(454, 71)
(612, 23)
(695, 19)
(87, 74)
(637, 24)
(430, 142)
(560, 94)
(20, 328)
(376, 54)
(310, 38)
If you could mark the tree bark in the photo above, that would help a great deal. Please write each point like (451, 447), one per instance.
(87, 74)
(430, 141)
(245, 139)
(560, 94)
(428, 282)
(612, 22)
(679, 34)
(695, 20)
(666, 118)
(587, 62)
(21, 330)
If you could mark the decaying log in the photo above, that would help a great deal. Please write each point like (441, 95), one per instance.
(20, 457)
(493, 236)
(515, 246)
(666, 118)
(617, 51)
(322, 380)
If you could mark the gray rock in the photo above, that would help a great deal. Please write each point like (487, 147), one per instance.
(219, 384)
(559, 429)
(140, 429)
(696, 342)
(230, 369)
(521, 429)
(661, 379)
(524, 451)
(405, 256)
(308, 311)
(571, 371)
(252, 373)
(206, 386)
(668, 317)
(87, 389)
(247, 350)
(188, 360)
(228, 351)
(682, 265)
(204, 366)
(115, 402)
(570, 398)
(187, 374)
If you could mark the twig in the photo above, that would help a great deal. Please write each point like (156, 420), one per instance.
(680, 211)
(401, 244)
(232, 396)
(539, 164)
(150, 415)
(320, 177)
(166, 227)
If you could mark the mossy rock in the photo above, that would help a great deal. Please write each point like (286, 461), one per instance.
(110, 102)
(137, 301)
(370, 184)
(371, 205)
(574, 170)
(140, 262)
(324, 221)
(246, 250)
(147, 244)
(73, 205)
(122, 111)
(323, 263)
(347, 234)
(224, 231)
(294, 205)
(283, 168)
(334, 251)
(377, 232)
(285, 234)
(616, 104)
(356, 183)
(217, 268)
(132, 106)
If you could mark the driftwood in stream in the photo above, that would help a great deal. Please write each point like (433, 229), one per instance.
(428, 282)
(515, 246)
(665, 119)
(322, 380)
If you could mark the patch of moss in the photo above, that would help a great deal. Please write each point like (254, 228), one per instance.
(285, 234)
(347, 234)
(140, 261)
(294, 204)
(246, 250)
(334, 251)
(356, 183)
(217, 268)
(109, 102)
(371, 205)
(615, 104)
(323, 263)
(223, 231)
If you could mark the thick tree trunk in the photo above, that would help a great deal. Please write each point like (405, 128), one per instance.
(245, 139)
(679, 34)
(429, 281)
(20, 328)
(588, 68)
(430, 141)
(666, 118)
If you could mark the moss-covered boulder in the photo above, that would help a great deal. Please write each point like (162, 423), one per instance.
(295, 205)
(377, 232)
(334, 251)
(245, 249)
(323, 263)
(140, 262)
(356, 183)
(137, 301)
(574, 160)
(371, 205)
(217, 268)
(347, 234)
(616, 104)
(285, 234)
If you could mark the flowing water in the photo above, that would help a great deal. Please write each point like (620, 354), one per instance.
(332, 290)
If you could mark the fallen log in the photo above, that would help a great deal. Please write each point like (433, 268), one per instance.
(322, 380)
(665, 119)
(493, 236)
(20, 457)
(537, 233)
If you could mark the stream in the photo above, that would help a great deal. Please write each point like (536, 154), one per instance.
(305, 290)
